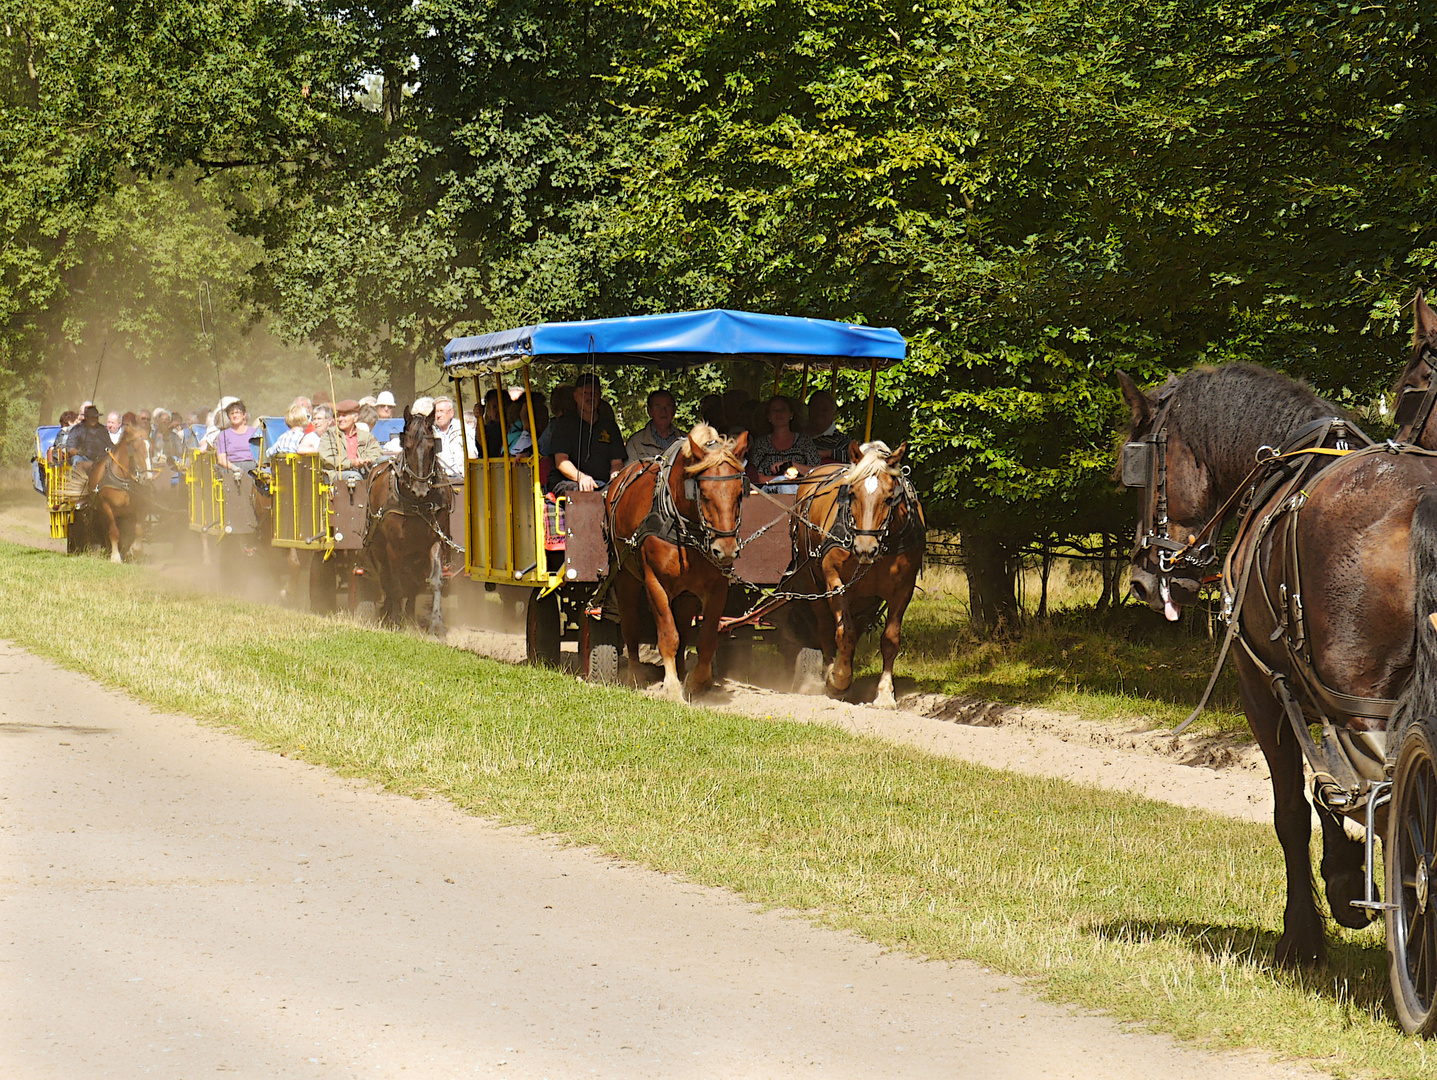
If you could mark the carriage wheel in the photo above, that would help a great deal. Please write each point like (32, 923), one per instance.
(808, 672)
(323, 585)
(542, 630)
(599, 650)
(1411, 850)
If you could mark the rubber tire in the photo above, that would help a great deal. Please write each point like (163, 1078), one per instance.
(601, 663)
(1411, 842)
(543, 630)
(323, 585)
(808, 670)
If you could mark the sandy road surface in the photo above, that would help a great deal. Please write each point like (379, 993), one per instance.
(177, 903)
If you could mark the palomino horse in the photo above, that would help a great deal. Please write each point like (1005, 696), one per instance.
(673, 529)
(860, 534)
(1320, 581)
(117, 494)
(409, 504)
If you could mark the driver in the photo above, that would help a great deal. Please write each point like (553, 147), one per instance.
(88, 441)
(346, 448)
(588, 446)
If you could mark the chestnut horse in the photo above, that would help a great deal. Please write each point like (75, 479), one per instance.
(117, 494)
(860, 533)
(1320, 580)
(673, 531)
(409, 503)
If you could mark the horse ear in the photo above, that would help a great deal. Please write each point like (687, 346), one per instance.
(897, 455)
(855, 450)
(692, 449)
(740, 446)
(407, 416)
(1137, 401)
(1424, 320)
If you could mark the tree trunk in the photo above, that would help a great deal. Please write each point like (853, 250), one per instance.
(1046, 571)
(992, 569)
(401, 377)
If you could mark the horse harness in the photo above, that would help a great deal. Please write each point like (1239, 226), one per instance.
(1414, 406)
(1282, 481)
(412, 495)
(843, 531)
(664, 520)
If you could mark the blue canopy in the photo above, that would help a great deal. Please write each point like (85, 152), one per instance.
(678, 340)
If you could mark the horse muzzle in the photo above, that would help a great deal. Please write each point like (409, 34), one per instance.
(1164, 593)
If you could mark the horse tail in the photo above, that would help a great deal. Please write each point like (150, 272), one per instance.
(1419, 698)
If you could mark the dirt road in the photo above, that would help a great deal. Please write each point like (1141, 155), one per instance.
(177, 903)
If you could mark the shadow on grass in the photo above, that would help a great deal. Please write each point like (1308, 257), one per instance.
(1355, 974)
(1125, 652)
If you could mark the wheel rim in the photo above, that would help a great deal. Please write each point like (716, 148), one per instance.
(1416, 924)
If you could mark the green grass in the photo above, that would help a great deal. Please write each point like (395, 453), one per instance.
(1126, 663)
(1147, 911)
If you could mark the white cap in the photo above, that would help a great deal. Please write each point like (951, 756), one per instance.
(368, 399)
(385, 398)
(423, 407)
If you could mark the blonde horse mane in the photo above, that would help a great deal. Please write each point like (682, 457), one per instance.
(718, 450)
(873, 460)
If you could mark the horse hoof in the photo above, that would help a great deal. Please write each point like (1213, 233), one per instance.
(885, 701)
(1292, 953)
(1342, 889)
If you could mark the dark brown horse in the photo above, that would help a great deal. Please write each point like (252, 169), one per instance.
(673, 528)
(117, 495)
(859, 535)
(1321, 577)
(409, 501)
(1415, 391)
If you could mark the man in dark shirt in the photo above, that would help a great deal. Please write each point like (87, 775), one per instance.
(89, 440)
(588, 446)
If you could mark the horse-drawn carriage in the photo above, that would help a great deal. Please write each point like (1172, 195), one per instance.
(568, 551)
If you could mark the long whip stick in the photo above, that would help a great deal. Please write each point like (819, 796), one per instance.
(99, 368)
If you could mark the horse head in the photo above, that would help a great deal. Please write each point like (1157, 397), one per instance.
(417, 455)
(1416, 388)
(874, 488)
(714, 481)
(1178, 494)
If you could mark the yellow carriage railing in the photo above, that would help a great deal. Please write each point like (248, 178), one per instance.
(303, 509)
(59, 492)
(205, 489)
(507, 519)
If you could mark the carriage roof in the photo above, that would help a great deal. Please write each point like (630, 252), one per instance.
(678, 340)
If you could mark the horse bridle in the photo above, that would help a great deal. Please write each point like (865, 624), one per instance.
(1414, 406)
(1145, 466)
(693, 492)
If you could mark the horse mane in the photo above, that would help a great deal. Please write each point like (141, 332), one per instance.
(1220, 411)
(872, 461)
(718, 450)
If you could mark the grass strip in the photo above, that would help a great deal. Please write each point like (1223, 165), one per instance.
(1147, 911)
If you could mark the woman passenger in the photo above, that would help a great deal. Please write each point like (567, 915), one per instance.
(232, 445)
(323, 421)
(779, 459)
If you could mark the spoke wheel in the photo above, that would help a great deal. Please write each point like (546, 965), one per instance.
(1411, 850)
(543, 630)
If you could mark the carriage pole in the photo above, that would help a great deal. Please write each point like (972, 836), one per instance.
(508, 470)
(541, 564)
(872, 388)
(464, 480)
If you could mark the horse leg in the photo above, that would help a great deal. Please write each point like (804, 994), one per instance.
(892, 636)
(668, 633)
(630, 592)
(436, 583)
(687, 608)
(112, 527)
(840, 671)
(1343, 870)
(1303, 938)
(713, 607)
